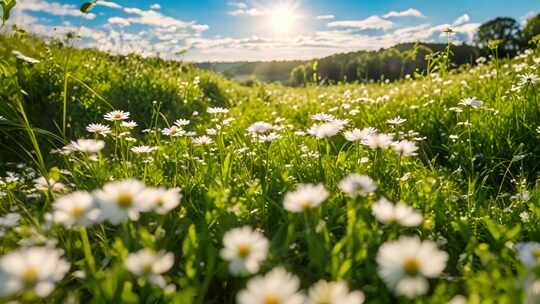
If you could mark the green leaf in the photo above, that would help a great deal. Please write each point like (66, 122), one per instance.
(7, 6)
(86, 7)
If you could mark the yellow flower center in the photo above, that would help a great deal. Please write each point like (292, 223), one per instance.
(30, 275)
(536, 253)
(77, 212)
(271, 299)
(411, 266)
(147, 268)
(160, 202)
(125, 200)
(244, 251)
(305, 205)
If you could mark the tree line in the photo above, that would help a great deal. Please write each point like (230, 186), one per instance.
(503, 36)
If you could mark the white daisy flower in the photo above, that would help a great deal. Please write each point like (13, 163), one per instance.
(307, 196)
(121, 200)
(259, 127)
(405, 148)
(355, 185)
(471, 102)
(405, 264)
(23, 57)
(149, 264)
(181, 122)
(90, 146)
(129, 124)
(143, 149)
(10, 220)
(160, 200)
(173, 131)
(202, 140)
(34, 268)
(396, 120)
(99, 129)
(76, 209)
(388, 213)
(276, 287)
(359, 135)
(323, 117)
(529, 253)
(333, 293)
(217, 110)
(41, 184)
(116, 116)
(245, 249)
(325, 130)
(378, 141)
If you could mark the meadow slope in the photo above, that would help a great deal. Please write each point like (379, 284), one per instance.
(148, 208)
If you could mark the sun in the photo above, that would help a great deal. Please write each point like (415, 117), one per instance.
(283, 19)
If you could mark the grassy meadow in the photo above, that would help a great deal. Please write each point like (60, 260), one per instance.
(132, 180)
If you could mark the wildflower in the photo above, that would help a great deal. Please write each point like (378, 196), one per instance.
(160, 200)
(529, 253)
(378, 141)
(245, 249)
(34, 268)
(325, 130)
(76, 209)
(129, 124)
(359, 135)
(10, 220)
(307, 196)
(99, 129)
(149, 264)
(405, 148)
(524, 216)
(217, 110)
(90, 146)
(323, 117)
(333, 293)
(116, 116)
(173, 131)
(405, 264)
(459, 299)
(259, 127)
(181, 122)
(276, 287)
(25, 58)
(202, 140)
(121, 200)
(471, 102)
(43, 185)
(268, 137)
(396, 120)
(388, 213)
(528, 79)
(142, 149)
(357, 185)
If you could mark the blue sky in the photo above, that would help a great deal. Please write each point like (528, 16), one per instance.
(230, 30)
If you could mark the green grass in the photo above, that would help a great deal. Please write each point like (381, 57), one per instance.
(464, 179)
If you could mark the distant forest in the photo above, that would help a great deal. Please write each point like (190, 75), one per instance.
(502, 36)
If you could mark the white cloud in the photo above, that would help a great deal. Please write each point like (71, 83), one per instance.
(52, 8)
(462, 20)
(119, 21)
(326, 17)
(108, 4)
(155, 6)
(242, 9)
(156, 19)
(373, 22)
(411, 12)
